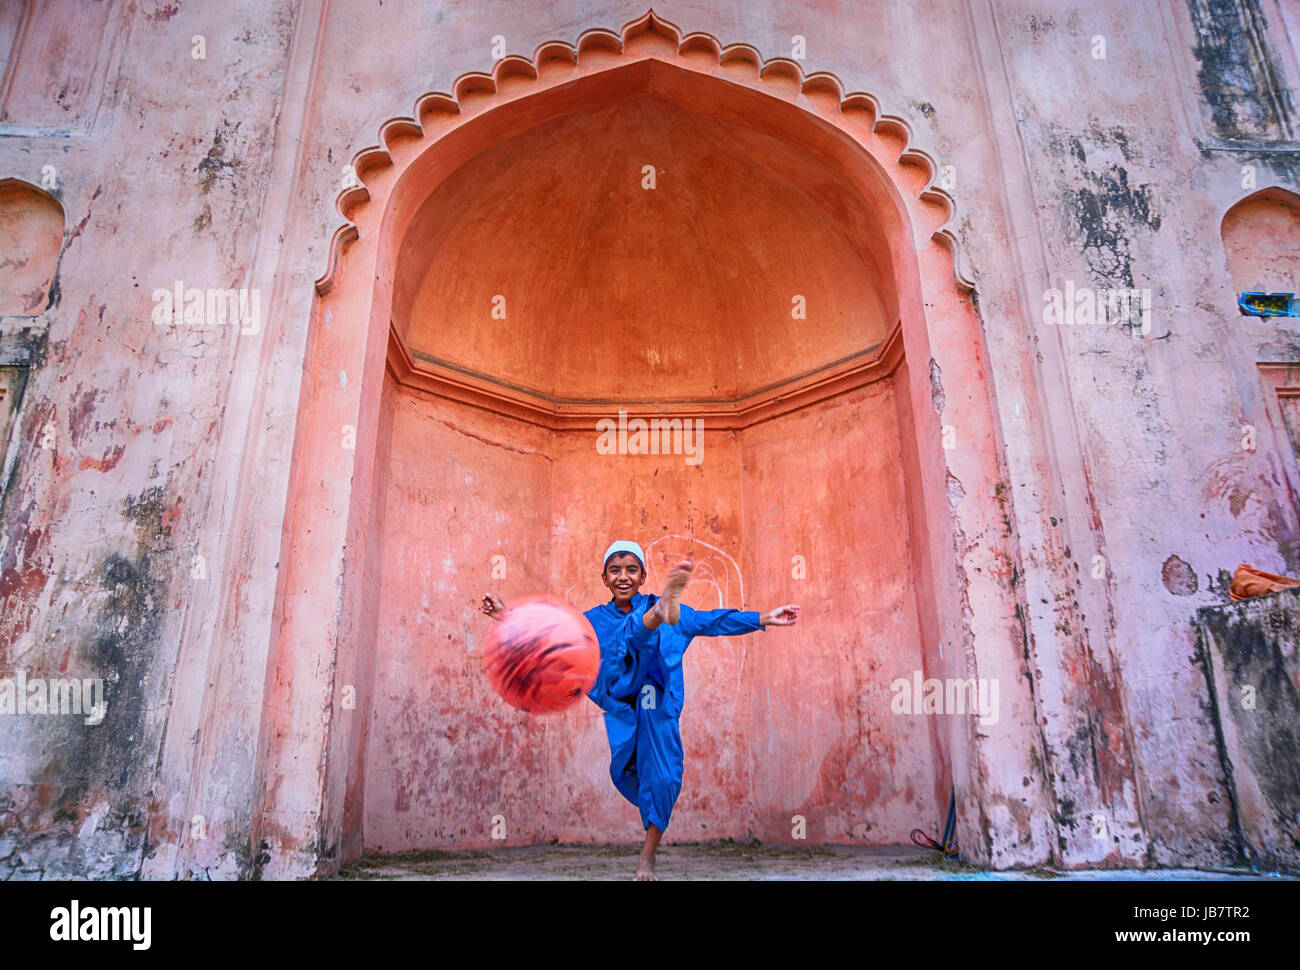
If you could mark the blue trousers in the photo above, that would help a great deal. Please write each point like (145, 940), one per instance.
(641, 717)
(645, 747)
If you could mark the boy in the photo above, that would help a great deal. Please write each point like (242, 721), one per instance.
(640, 686)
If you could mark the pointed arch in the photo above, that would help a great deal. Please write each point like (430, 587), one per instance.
(1261, 241)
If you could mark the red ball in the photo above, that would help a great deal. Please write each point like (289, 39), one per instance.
(541, 656)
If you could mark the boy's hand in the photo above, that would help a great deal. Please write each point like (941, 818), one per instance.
(492, 606)
(781, 616)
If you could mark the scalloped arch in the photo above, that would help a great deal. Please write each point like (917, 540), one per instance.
(820, 93)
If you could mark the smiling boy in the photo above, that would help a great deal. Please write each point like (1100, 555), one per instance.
(640, 685)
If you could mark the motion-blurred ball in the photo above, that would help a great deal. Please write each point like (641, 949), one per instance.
(541, 656)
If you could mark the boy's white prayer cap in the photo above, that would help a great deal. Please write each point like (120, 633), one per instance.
(623, 545)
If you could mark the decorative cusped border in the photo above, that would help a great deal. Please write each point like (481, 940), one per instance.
(780, 76)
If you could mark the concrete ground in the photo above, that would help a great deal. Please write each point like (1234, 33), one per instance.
(731, 861)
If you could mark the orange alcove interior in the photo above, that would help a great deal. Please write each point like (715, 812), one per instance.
(621, 295)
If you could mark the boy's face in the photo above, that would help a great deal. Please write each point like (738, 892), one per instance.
(624, 576)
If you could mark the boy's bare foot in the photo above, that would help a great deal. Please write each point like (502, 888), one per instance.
(645, 863)
(670, 603)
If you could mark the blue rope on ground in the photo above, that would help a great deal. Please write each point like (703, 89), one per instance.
(949, 846)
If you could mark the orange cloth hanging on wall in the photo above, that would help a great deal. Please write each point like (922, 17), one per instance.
(1248, 581)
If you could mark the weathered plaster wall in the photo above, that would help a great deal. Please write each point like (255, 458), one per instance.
(827, 484)
(102, 524)
(1248, 653)
(222, 172)
(1128, 197)
(464, 486)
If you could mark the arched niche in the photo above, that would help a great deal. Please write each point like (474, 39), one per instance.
(1261, 240)
(1261, 243)
(31, 236)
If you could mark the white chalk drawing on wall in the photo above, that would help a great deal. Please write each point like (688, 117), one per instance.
(714, 570)
(717, 570)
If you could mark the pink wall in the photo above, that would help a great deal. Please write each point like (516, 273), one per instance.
(828, 483)
(971, 144)
(462, 486)
(445, 754)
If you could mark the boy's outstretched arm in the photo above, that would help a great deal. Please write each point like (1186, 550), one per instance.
(709, 623)
(781, 616)
(730, 623)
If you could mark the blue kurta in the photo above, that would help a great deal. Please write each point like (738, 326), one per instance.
(641, 690)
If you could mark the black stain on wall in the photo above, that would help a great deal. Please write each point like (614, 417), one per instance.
(115, 758)
(1242, 93)
(1106, 209)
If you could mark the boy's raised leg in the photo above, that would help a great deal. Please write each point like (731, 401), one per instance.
(668, 608)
